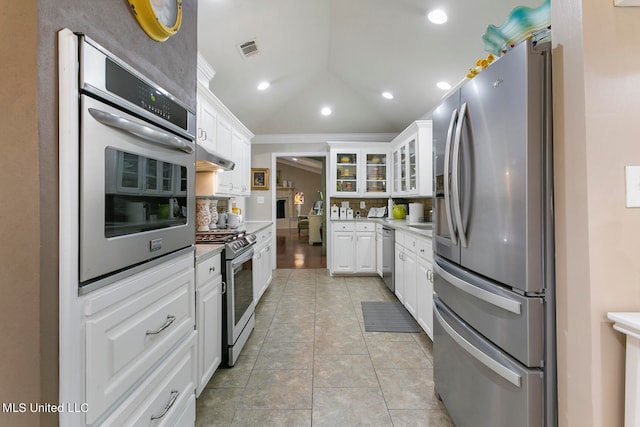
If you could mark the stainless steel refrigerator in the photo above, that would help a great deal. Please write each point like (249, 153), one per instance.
(494, 310)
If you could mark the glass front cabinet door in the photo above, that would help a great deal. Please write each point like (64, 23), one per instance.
(412, 161)
(359, 172)
(346, 172)
(376, 173)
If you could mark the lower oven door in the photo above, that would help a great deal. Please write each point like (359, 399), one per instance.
(240, 305)
(137, 181)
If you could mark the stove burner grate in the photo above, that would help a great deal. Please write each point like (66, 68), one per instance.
(218, 236)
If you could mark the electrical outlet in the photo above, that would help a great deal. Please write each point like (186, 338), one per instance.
(363, 204)
(260, 200)
(633, 186)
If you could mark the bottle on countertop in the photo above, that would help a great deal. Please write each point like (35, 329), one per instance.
(389, 207)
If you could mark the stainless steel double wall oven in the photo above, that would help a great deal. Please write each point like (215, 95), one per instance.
(137, 170)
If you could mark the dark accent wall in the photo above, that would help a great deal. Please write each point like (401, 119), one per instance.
(171, 64)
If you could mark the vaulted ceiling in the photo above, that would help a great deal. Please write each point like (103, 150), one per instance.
(342, 54)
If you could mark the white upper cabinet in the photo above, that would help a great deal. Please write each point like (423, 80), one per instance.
(361, 170)
(207, 118)
(221, 132)
(412, 160)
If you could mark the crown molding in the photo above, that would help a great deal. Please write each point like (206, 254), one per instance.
(314, 138)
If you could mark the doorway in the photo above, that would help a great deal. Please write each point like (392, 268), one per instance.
(298, 209)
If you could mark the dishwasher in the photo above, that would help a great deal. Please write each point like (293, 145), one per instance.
(385, 242)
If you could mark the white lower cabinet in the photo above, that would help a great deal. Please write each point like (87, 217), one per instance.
(424, 283)
(399, 278)
(379, 251)
(140, 342)
(405, 269)
(342, 247)
(262, 266)
(414, 277)
(209, 319)
(425, 296)
(353, 247)
(365, 248)
(166, 398)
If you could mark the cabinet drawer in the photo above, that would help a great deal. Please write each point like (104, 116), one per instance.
(424, 249)
(365, 226)
(126, 339)
(344, 226)
(170, 388)
(410, 242)
(208, 269)
(264, 236)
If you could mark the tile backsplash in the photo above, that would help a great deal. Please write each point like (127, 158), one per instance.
(354, 203)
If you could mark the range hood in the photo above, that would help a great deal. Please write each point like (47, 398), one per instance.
(209, 161)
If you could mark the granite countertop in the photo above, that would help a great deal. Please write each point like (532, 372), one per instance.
(397, 224)
(255, 226)
(208, 250)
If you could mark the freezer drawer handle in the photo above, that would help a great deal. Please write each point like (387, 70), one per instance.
(496, 367)
(486, 296)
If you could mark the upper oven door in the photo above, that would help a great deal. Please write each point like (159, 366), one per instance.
(137, 181)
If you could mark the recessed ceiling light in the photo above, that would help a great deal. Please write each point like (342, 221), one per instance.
(295, 159)
(443, 85)
(326, 111)
(387, 95)
(437, 16)
(264, 85)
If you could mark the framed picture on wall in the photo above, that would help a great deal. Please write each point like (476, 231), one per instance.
(259, 178)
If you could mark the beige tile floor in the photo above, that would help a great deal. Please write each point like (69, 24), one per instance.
(309, 362)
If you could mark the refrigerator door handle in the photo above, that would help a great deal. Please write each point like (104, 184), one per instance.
(486, 296)
(447, 163)
(506, 373)
(455, 178)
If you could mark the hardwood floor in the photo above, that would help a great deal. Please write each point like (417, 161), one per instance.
(296, 252)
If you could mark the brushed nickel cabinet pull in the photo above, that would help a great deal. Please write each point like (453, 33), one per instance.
(172, 400)
(170, 320)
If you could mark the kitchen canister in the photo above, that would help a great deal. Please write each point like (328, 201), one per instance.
(416, 213)
(213, 209)
(136, 212)
(334, 212)
(203, 214)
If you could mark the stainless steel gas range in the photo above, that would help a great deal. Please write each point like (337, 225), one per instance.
(238, 319)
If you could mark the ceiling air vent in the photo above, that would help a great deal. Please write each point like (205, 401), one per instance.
(248, 49)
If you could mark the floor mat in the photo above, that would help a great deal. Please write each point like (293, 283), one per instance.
(387, 316)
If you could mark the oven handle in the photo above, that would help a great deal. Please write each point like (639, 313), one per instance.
(142, 131)
(244, 257)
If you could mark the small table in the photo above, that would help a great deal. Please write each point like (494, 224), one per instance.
(629, 324)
